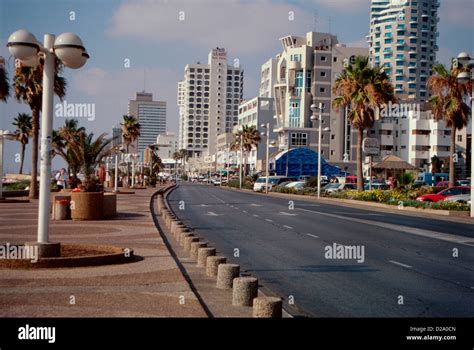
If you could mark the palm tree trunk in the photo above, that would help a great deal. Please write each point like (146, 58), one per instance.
(452, 150)
(34, 153)
(22, 157)
(360, 177)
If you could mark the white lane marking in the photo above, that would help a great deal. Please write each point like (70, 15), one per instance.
(255, 205)
(411, 230)
(286, 214)
(288, 227)
(269, 220)
(314, 236)
(400, 264)
(211, 213)
(203, 205)
(245, 211)
(255, 215)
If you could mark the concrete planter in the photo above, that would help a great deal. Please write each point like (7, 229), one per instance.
(87, 205)
(110, 205)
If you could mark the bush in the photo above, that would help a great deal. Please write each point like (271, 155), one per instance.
(312, 181)
(16, 186)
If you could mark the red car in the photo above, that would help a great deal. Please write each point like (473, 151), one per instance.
(452, 191)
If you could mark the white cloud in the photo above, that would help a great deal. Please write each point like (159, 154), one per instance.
(231, 24)
(111, 91)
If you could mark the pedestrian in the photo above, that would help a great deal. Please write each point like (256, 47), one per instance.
(61, 179)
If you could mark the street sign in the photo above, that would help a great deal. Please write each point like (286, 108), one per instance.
(371, 146)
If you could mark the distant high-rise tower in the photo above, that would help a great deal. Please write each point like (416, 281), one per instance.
(402, 39)
(152, 118)
(208, 99)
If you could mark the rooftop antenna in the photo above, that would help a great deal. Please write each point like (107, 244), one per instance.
(144, 79)
(329, 24)
(315, 29)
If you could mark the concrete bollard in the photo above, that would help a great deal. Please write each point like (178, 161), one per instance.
(183, 237)
(159, 204)
(194, 249)
(203, 253)
(174, 225)
(245, 289)
(267, 307)
(188, 241)
(177, 226)
(226, 274)
(213, 263)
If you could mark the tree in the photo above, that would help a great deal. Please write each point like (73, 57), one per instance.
(89, 152)
(250, 139)
(448, 102)
(130, 130)
(365, 89)
(436, 164)
(22, 133)
(4, 84)
(28, 88)
(183, 154)
(176, 157)
(62, 148)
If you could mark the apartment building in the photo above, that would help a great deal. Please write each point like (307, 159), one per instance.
(208, 98)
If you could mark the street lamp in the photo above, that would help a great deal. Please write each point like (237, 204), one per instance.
(10, 136)
(467, 61)
(69, 49)
(313, 118)
(267, 157)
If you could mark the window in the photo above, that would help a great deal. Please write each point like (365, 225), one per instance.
(294, 113)
(459, 138)
(299, 83)
(299, 139)
(323, 58)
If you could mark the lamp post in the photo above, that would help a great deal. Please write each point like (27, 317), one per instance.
(69, 49)
(241, 159)
(313, 118)
(467, 61)
(7, 135)
(267, 157)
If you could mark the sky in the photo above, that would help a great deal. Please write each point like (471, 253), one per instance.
(159, 37)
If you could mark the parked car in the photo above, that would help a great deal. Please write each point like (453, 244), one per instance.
(335, 187)
(259, 185)
(464, 182)
(376, 186)
(452, 191)
(460, 198)
(297, 185)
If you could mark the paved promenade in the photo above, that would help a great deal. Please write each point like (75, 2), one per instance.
(152, 287)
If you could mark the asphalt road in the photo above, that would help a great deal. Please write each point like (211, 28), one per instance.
(411, 267)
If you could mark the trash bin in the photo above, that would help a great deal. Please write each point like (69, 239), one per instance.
(62, 210)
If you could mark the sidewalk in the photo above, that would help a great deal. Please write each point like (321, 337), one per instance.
(152, 287)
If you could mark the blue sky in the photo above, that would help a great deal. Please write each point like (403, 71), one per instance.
(150, 35)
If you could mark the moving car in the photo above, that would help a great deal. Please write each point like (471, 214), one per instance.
(452, 191)
(259, 185)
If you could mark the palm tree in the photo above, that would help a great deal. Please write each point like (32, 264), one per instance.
(176, 157)
(22, 133)
(4, 85)
(28, 88)
(89, 153)
(449, 104)
(183, 154)
(62, 148)
(156, 163)
(365, 89)
(250, 137)
(130, 130)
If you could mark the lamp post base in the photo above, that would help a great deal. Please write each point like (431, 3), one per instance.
(45, 249)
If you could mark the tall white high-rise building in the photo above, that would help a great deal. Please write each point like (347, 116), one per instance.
(268, 76)
(208, 99)
(402, 39)
(152, 118)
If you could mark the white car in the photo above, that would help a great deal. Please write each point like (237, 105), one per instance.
(297, 185)
(460, 198)
(259, 185)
